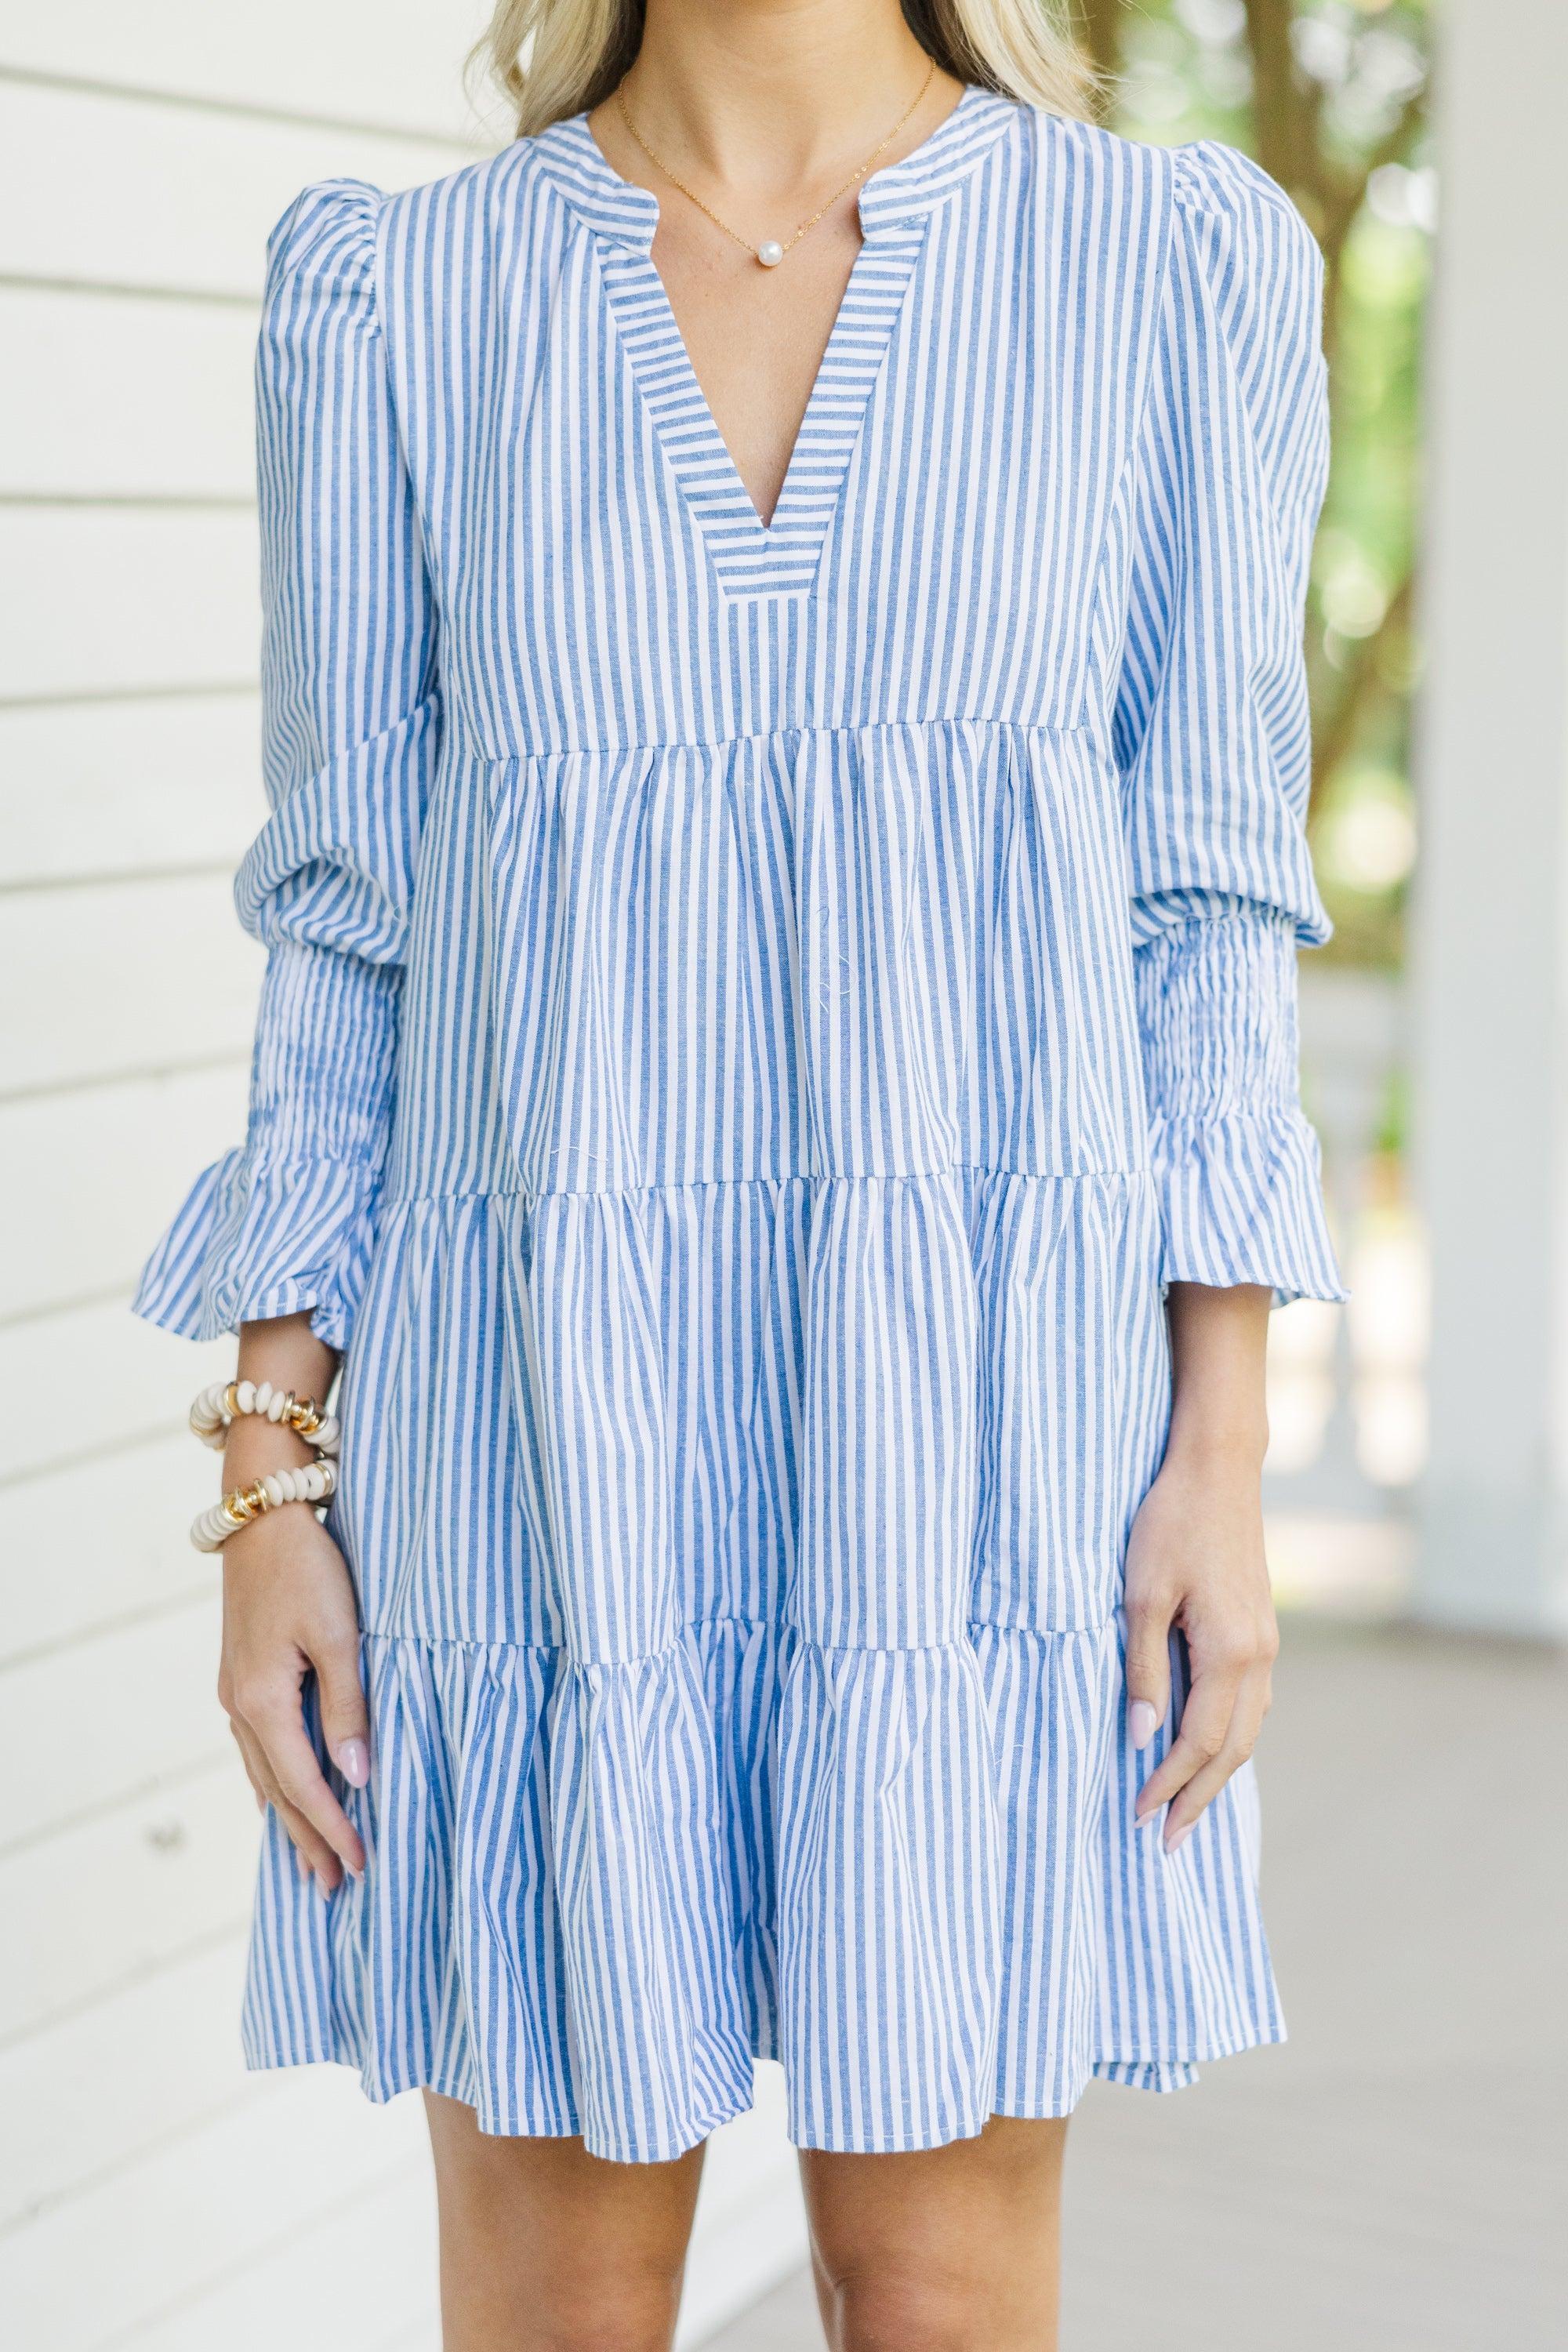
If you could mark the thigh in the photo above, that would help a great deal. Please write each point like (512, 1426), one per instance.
(545, 2247)
(946, 2249)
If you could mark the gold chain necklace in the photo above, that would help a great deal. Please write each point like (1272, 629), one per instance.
(770, 252)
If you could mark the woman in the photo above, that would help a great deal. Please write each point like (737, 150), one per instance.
(787, 731)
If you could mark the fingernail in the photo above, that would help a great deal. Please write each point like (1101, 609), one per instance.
(1185, 1831)
(1147, 1820)
(1143, 1723)
(300, 1864)
(323, 1889)
(353, 1762)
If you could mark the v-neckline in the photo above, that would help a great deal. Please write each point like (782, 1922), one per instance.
(781, 556)
(778, 557)
(849, 303)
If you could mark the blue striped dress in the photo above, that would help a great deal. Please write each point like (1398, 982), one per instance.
(753, 1018)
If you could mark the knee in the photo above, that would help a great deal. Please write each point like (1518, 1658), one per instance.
(632, 2314)
(607, 2336)
(903, 2310)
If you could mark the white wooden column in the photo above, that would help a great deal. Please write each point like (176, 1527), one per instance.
(1492, 962)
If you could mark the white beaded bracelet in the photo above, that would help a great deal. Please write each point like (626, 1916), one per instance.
(216, 1409)
(316, 1483)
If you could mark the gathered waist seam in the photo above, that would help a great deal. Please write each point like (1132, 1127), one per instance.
(393, 1197)
(456, 746)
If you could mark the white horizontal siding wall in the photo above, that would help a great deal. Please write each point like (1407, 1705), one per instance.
(151, 2195)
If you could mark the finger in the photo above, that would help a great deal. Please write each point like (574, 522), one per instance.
(345, 1724)
(257, 1790)
(268, 1794)
(312, 1856)
(1240, 1740)
(1148, 1664)
(1205, 1721)
(300, 1781)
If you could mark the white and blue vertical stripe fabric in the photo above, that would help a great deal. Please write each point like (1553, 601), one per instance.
(755, 1017)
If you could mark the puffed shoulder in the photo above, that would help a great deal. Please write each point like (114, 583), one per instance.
(327, 235)
(1248, 268)
(1228, 206)
(1211, 177)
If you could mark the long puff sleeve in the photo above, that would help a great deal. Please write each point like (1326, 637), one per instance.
(1212, 731)
(351, 720)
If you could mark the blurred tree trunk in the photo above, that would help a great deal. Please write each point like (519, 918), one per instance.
(1101, 23)
(1287, 139)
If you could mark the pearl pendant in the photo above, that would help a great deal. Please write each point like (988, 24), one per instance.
(770, 254)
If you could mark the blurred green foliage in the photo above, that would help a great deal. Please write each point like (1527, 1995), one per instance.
(1331, 96)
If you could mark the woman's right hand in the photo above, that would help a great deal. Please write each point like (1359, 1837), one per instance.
(289, 1611)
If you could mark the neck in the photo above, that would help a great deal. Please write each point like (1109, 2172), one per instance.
(762, 95)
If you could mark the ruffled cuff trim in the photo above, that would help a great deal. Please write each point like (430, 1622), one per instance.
(1241, 1201)
(253, 1241)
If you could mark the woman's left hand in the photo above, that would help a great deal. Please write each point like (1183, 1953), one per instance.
(1195, 1561)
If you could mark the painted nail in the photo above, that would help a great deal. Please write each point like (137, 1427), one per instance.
(1147, 1820)
(1185, 1831)
(1142, 1722)
(353, 1762)
(323, 1889)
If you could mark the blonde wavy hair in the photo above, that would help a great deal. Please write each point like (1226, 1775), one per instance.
(578, 50)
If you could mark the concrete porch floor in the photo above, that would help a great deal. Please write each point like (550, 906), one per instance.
(1395, 2179)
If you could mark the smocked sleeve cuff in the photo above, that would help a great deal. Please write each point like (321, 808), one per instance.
(254, 1240)
(1236, 1162)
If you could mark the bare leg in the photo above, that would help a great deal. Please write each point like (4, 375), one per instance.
(946, 2249)
(545, 2247)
